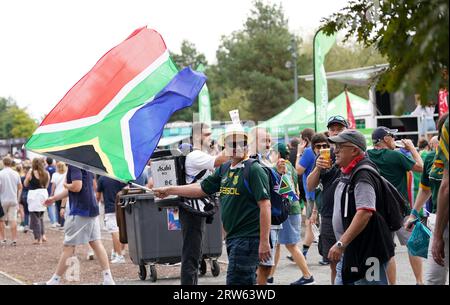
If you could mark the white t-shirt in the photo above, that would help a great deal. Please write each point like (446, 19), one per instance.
(9, 180)
(196, 161)
(58, 179)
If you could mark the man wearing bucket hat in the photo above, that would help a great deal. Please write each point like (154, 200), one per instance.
(245, 215)
(394, 166)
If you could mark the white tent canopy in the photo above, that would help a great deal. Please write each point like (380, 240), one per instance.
(357, 77)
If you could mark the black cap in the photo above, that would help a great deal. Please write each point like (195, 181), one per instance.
(337, 119)
(379, 133)
(352, 136)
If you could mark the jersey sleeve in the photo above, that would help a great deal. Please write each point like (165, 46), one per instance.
(259, 183)
(211, 184)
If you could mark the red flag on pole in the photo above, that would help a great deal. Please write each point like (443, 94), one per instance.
(350, 117)
(443, 101)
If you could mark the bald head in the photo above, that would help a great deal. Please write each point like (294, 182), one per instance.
(260, 141)
(434, 142)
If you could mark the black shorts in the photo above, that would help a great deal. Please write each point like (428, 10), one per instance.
(327, 239)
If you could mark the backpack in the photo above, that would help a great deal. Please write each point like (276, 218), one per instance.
(280, 206)
(204, 207)
(391, 205)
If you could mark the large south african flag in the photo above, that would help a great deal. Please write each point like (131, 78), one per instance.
(111, 120)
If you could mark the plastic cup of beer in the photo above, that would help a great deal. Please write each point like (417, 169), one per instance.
(325, 153)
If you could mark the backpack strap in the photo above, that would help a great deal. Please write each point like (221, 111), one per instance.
(224, 168)
(364, 167)
(247, 165)
(350, 185)
(198, 176)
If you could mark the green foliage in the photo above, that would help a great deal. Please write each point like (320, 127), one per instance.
(340, 57)
(14, 121)
(254, 60)
(189, 57)
(235, 99)
(411, 34)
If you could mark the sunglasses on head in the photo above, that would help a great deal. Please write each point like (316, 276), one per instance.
(336, 117)
(235, 144)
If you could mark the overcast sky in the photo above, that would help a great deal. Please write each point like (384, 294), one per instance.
(46, 46)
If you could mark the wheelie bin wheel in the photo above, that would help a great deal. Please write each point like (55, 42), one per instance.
(153, 273)
(203, 267)
(215, 268)
(142, 272)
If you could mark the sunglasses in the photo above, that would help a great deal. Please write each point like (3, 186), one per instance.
(336, 117)
(236, 144)
(320, 146)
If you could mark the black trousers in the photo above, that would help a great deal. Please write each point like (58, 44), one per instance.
(192, 229)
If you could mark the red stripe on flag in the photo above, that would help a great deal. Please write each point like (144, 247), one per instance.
(350, 117)
(109, 75)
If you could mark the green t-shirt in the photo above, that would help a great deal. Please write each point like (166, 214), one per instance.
(295, 206)
(418, 175)
(240, 210)
(432, 176)
(393, 166)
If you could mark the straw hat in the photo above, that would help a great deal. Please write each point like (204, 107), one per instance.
(235, 128)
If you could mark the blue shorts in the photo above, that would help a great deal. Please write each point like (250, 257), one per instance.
(274, 235)
(291, 231)
(243, 259)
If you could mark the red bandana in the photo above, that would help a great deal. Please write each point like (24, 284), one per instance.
(348, 169)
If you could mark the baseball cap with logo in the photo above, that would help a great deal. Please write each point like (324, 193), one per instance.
(379, 133)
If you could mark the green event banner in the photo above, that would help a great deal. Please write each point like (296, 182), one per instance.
(322, 45)
(204, 102)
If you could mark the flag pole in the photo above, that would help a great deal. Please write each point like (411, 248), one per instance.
(141, 187)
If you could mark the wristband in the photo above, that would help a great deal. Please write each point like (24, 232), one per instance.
(415, 213)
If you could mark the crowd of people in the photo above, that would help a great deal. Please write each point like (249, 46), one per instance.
(340, 192)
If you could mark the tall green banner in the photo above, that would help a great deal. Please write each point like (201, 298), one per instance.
(204, 103)
(322, 45)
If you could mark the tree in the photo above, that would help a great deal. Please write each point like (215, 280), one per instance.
(254, 60)
(14, 121)
(189, 57)
(235, 99)
(411, 34)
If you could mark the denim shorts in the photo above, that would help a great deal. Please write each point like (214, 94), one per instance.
(274, 235)
(243, 260)
(291, 231)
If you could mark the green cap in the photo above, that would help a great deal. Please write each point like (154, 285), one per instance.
(282, 149)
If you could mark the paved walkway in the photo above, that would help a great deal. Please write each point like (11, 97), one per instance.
(287, 272)
(8, 280)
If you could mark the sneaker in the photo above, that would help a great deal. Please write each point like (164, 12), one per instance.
(55, 225)
(113, 255)
(90, 256)
(324, 262)
(3, 242)
(118, 260)
(14, 243)
(305, 252)
(303, 281)
(26, 229)
(270, 280)
(289, 257)
(109, 282)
